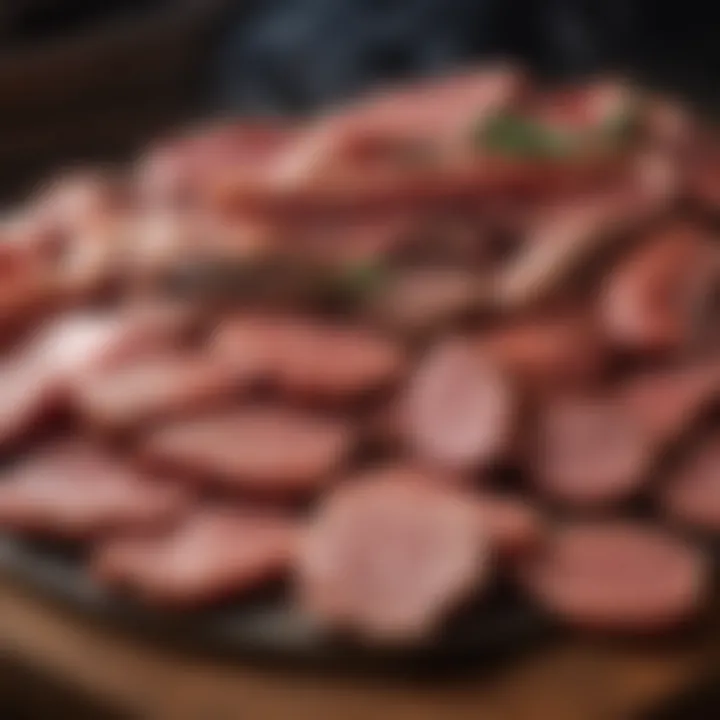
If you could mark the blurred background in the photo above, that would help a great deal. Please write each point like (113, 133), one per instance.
(81, 79)
(87, 80)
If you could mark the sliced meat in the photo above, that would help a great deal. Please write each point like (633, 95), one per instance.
(75, 491)
(692, 496)
(311, 360)
(669, 402)
(214, 554)
(150, 389)
(271, 451)
(549, 353)
(420, 299)
(390, 555)
(590, 452)
(618, 576)
(459, 410)
(648, 302)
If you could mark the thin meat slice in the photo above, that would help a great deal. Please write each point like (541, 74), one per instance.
(390, 555)
(692, 496)
(150, 389)
(648, 302)
(421, 299)
(309, 359)
(590, 451)
(75, 491)
(618, 576)
(459, 410)
(669, 402)
(271, 451)
(549, 353)
(214, 554)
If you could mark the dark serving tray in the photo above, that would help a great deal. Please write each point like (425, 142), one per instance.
(267, 627)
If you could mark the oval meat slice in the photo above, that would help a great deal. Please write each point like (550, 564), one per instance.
(669, 402)
(590, 452)
(212, 555)
(459, 410)
(272, 451)
(310, 360)
(547, 354)
(135, 393)
(390, 555)
(75, 491)
(647, 304)
(618, 576)
(692, 496)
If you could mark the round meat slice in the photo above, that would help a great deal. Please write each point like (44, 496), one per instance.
(133, 394)
(459, 410)
(311, 360)
(692, 497)
(390, 555)
(211, 556)
(260, 450)
(618, 576)
(590, 452)
(75, 491)
(647, 305)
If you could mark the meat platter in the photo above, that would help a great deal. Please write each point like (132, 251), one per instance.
(425, 377)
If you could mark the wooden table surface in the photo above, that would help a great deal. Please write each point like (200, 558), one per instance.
(570, 680)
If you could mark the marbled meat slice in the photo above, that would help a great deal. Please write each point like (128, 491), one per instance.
(272, 451)
(390, 555)
(75, 491)
(214, 554)
(618, 576)
(459, 410)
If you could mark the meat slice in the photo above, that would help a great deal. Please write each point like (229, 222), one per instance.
(310, 360)
(692, 496)
(214, 554)
(75, 491)
(647, 305)
(135, 393)
(271, 451)
(549, 353)
(618, 576)
(669, 402)
(390, 555)
(459, 410)
(590, 452)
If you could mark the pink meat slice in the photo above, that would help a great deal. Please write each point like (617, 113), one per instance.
(692, 496)
(459, 409)
(150, 389)
(590, 452)
(514, 526)
(669, 402)
(311, 360)
(390, 555)
(264, 450)
(75, 491)
(647, 304)
(618, 576)
(212, 555)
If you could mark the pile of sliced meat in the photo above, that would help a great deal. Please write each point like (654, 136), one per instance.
(455, 334)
